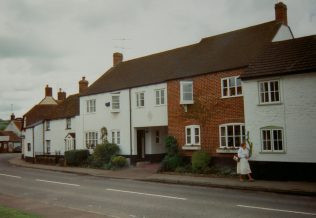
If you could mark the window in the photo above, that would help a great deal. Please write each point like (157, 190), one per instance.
(29, 147)
(115, 102)
(116, 137)
(70, 144)
(47, 125)
(157, 137)
(269, 92)
(48, 146)
(272, 139)
(186, 92)
(160, 96)
(91, 139)
(192, 135)
(232, 135)
(68, 123)
(140, 99)
(91, 106)
(231, 87)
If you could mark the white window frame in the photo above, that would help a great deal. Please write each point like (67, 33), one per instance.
(267, 99)
(272, 139)
(115, 102)
(183, 93)
(160, 97)
(229, 87)
(192, 136)
(91, 105)
(116, 136)
(226, 137)
(68, 123)
(140, 99)
(91, 139)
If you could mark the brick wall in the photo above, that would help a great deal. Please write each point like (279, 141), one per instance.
(209, 110)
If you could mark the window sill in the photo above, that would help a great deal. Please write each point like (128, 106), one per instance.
(191, 147)
(272, 103)
(186, 102)
(227, 150)
(235, 96)
(115, 111)
(272, 152)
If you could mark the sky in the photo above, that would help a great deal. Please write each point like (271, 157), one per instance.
(57, 42)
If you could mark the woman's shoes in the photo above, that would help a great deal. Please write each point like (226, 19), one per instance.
(251, 180)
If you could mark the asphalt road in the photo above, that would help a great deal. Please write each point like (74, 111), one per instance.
(128, 198)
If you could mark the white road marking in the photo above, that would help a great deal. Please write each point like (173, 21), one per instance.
(61, 183)
(278, 210)
(18, 177)
(147, 194)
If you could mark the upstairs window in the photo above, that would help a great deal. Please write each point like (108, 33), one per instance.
(232, 135)
(140, 99)
(116, 137)
(47, 125)
(29, 147)
(272, 139)
(48, 146)
(186, 92)
(91, 106)
(231, 87)
(160, 96)
(68, 123)
(91, 139)
(115, 102)
(192, 135)
(269, 92)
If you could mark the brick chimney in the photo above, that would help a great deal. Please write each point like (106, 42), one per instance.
(281, 12)
(48, 91)
(117, 58)
(61, 95)
(12, 116)
(83, 85)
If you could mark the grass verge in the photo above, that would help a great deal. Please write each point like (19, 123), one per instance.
(6, 212)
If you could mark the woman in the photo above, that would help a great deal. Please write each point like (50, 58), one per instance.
(243, 167)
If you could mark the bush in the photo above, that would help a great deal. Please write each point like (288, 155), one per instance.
(171, 162)
(118, 162)
(171, 145)
(200, 161)
(76, 157)
(104, 152)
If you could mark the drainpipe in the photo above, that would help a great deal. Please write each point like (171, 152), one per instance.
(33, 144)
(43, 137)
(130, 123)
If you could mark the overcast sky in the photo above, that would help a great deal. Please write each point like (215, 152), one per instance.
(56, 42)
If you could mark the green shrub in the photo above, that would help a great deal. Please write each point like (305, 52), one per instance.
(76, 157)
(104, 152)
(171, 145)
(171, 162)
(118, 162)
(200, 161)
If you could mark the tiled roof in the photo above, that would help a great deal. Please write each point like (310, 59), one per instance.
(227, 51)
(38, 113)
(285, 57)
(12, 136)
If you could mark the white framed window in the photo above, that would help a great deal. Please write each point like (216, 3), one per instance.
(91, 139)
(157, 137)
(269, 92)
(272, 139)
(232, 135)
(160, 96)
(231, 87)
(47, 125)
(192, 135)
(186, 92)
(29, 147)
(140, 99)
(68, 123)
(115, 98)
(91, 106)
(116, 137)
(48, 146)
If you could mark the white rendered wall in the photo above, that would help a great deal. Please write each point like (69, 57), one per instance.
(284, 33)
(37, 144)
(296, 115)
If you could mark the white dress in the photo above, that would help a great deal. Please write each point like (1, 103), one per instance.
(243, 167)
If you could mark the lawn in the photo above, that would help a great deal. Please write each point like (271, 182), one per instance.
(13, 213)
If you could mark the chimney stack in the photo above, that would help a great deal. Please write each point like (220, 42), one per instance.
(61, 95)
(281, 12)
(48, 91)
(117, 58)
(12, 116)
(83, 85)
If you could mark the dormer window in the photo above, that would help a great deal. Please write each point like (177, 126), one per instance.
(186, 92)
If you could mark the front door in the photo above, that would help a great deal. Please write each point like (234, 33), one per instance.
(140, 144)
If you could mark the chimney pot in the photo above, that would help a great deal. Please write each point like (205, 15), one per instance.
(12, 116)
(281, 12)
(117, 58)
(83, 85)
(48, 91)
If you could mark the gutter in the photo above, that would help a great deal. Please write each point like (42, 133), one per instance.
(130, 123)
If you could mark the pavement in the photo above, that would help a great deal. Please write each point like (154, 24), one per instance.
(149, 173)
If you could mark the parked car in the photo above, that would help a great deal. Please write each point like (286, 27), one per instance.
(17, 149)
